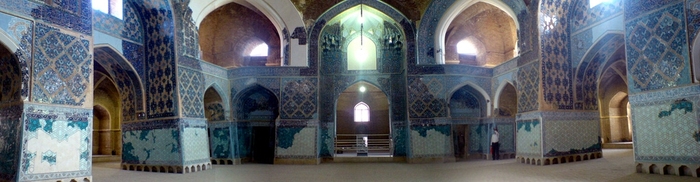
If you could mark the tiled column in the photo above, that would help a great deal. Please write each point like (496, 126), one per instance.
(665, 125)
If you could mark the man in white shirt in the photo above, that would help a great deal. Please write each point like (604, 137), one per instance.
(495, 146)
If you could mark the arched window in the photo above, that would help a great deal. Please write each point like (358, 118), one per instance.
(260, 50)
(361, 112)
(466, 47)
(112, 7)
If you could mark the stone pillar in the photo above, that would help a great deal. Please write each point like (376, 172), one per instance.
(166, 145)
(662, 97)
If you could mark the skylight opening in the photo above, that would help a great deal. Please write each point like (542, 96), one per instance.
(466, 47)
(111, 7)
(260, 50)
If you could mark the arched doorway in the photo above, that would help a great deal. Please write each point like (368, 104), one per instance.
(616, 126)
(10, 113)
(219, 137)
(118, 96)
(107, 109)
(601, 86)
(362, 122)
(470, 134)
(506, 107)
(258, 108)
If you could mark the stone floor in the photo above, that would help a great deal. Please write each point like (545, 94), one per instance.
(616, 165)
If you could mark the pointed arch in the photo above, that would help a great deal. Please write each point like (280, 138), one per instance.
(278, 12)
(404, 25)
(607, 49)
(483, 95)
(499, 89)
(453, 11)
(125, 78)
(225, 107)
(256, 100)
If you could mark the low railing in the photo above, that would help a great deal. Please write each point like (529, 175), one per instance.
(363, 143)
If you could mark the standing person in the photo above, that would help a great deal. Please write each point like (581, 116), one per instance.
(495, 145)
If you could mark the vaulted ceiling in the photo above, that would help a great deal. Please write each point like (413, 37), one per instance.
(312, 9)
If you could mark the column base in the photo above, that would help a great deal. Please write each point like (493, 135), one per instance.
(691, 170)
(225, 161)
(167, 168)
(541, 161)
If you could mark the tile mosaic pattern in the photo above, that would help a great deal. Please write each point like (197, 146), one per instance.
(506, 138)
(215, 111)
(10, 127)
(128, 84)
(554, 42)
(129, 28)
(66, 132)
(574, 133)
(195, 142)
(666, 138)
(528, 87)
(62, 67)
(191, 92)
(159, 53)
(156, 142)
(479, 139)
(134, 53)
(299, 98)
(424, 97)
(256, 104)
(467, 103)
(633, 9)
(133, 29)
(528, 138)
(188, 34)
(75, 15)
(326, 139)
(583, 16)
(20, 31)
(221, 140)
(301, 142)
(431, 141)
(107, 23)
(581, 42)
(589, 71)
(657, 50)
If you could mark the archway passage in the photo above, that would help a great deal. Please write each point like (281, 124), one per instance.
(10, 114)
(259, 108)
(616, 125)
(107, 109)
(219, 137)
(504, 120)
(362, 122)
(467, 108)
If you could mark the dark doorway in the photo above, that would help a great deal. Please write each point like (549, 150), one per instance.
(460, 136)
(263, 144)
(258, 108)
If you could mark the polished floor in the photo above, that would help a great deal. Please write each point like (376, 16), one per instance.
(616, 165)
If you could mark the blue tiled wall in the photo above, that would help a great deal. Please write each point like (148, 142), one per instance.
(48, 130)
